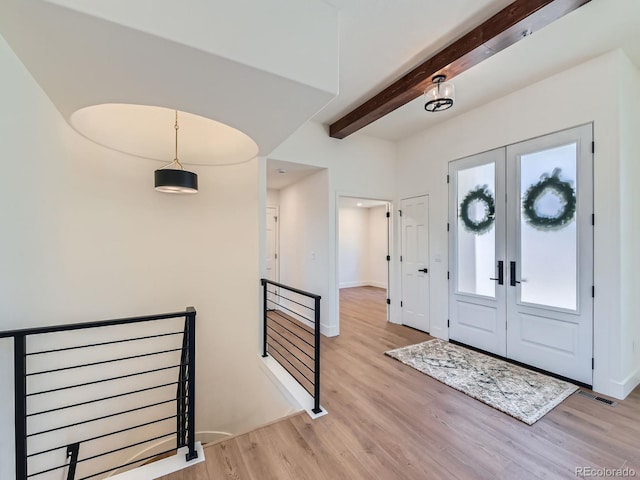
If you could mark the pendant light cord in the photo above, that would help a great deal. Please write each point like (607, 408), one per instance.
(175, 159)
(177, 127)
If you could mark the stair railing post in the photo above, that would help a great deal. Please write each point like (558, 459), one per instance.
(181, 404)
(191, 385)
(72, 455)
(264, 317)
(20, 404)
(316, 382)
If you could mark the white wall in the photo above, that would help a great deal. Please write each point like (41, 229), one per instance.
(273, 197)
(556, 103)
(363, 247)
(353, 246)
(358, 166)
(86, 237)
(304, 249)
(629, 335)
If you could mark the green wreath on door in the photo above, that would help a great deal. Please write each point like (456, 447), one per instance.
(550, 184)
(483, 225)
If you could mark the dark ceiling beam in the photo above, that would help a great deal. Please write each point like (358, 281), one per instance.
(505, 28)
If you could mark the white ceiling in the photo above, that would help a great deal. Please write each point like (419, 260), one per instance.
(83, 59)
(382, 40)
(149, 132)
(591, 30)
(352, 202)
(281, 174)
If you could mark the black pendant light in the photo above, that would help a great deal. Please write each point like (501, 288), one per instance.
(173, 178)
(440, 96)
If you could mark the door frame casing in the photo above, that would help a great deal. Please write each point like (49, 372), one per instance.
(277, 239)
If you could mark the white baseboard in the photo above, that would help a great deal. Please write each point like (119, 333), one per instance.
(329, 330)
(363, 284)
(621, 390)
(353, 284)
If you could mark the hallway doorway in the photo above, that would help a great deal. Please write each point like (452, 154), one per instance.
(363, 246)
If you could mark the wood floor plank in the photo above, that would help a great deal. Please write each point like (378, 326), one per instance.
(389, 421)
(224, 462)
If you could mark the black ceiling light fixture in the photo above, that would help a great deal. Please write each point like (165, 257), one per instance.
(440, 95)
(173, 178)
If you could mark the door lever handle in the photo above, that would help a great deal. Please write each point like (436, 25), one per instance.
(500, 278)
(424, 270)
(512, 274)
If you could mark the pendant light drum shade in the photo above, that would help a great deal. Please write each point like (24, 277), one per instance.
(171, 180)
(175, 180)
(440, 96)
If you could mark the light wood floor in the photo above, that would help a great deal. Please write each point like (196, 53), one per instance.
(388, 421)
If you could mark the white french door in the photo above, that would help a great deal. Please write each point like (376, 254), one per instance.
(521, 282)
(477, 301)
(415, 262)
(550, 304)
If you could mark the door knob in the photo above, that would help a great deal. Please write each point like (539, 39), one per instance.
(424, 270)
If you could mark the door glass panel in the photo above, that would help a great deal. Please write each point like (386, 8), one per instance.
(548, 234)
(476, 238)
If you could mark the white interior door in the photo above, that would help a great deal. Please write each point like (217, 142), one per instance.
(271, 261)
(521, 282)
(549, 294)
(415, 262)
(477, 310)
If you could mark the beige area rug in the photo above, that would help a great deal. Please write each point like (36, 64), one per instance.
(516, 391)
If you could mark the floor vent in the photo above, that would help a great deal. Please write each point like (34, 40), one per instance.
(606, 401)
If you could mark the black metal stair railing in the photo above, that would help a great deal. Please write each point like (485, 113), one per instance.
(116, 394)
(291, 334)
